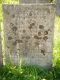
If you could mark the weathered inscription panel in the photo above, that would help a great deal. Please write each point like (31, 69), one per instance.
(29, 33)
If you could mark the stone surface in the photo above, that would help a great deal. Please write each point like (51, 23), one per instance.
(57, 1)
(34, 1)
(29, 33)
(58, 7)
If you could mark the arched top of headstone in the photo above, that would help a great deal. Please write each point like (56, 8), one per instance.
(34, 1)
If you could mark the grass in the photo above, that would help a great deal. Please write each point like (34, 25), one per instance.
(9, 72)
(56, 48)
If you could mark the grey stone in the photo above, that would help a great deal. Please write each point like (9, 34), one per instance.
(29, 30)
(58, 7)
(57, 1)
(34, 1)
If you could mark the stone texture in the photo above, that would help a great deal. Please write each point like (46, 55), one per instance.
(57, 1)
(34, 1)
(58, 7)
(29, 33)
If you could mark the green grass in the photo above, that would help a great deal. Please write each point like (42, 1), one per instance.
(10, 72)
(56, 48)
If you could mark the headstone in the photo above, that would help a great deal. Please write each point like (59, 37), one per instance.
(29, 30)
(34, 1)
(0, 47)
(58, 7)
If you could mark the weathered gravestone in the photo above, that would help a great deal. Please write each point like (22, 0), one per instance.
(34, 1)
(0, 47)
(29, 33)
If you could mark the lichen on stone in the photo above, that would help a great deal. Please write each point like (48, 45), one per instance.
(9, 38)
(31, 25)
(19, 41)
(14, 28)
(39, 33)
(45, 38)
(27, 37)
(45, 32)
(43, 51)
(41, 27)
